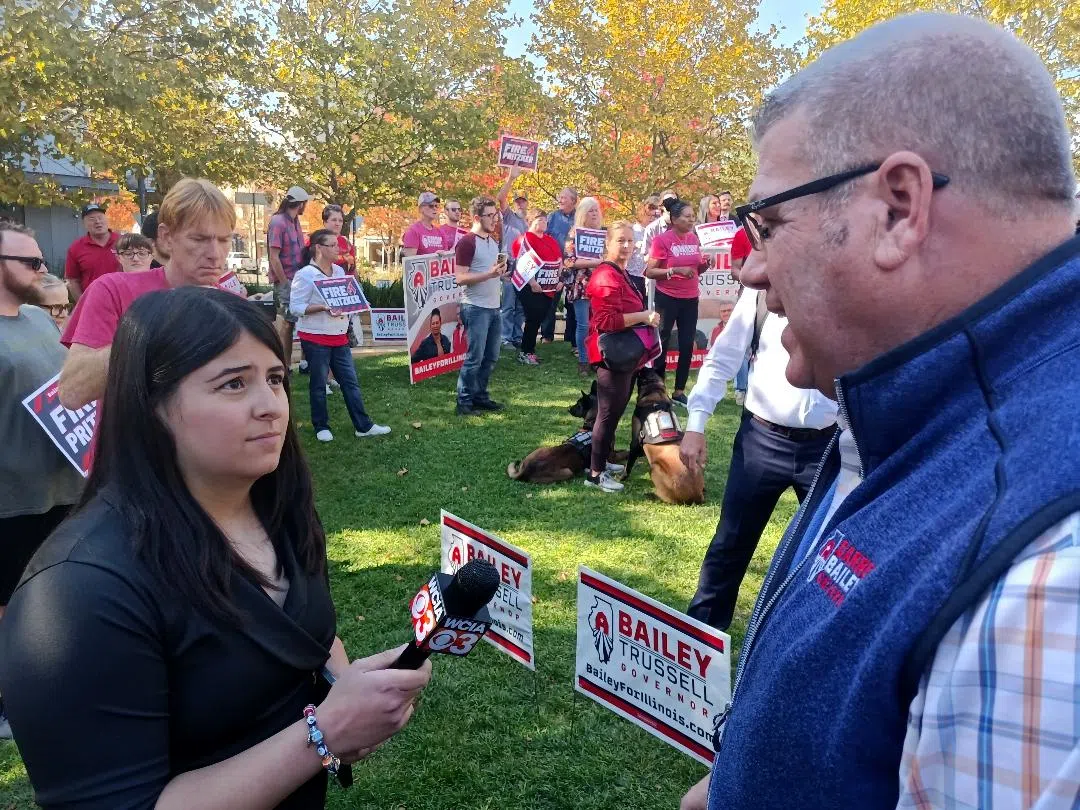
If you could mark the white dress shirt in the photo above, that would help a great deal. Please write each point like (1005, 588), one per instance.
(769, 394)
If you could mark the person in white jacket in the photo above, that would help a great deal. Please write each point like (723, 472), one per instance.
(323, 336)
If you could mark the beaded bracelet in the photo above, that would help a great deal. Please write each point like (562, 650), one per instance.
(315, 738)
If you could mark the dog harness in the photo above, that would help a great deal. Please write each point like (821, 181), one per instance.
(661, 426)
(582, 442)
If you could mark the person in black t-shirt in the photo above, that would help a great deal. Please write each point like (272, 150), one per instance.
(181, 620)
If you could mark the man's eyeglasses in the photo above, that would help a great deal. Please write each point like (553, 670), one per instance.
(757, 231)
(135, 254)
(35, 263)
(333, 244)
(453, 210)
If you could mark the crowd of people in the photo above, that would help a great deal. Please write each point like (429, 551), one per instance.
(908, 337)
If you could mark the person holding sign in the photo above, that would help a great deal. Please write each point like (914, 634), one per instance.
(675, 259)
(576, 273)
(322, 332)
(37, 484)
(165, 643)
(617, 305)
(537, 295)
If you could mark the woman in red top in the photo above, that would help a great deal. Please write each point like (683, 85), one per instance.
(675, 259)
(536, 296)
(615, 305)
(334, 220)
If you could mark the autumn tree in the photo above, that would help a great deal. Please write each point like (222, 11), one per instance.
(655, 95)
(139, 86)
(1050, 27)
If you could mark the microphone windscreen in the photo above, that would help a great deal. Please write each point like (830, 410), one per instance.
(473, 587)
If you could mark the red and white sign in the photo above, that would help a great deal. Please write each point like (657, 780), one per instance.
(71, 431)
(230, 283)
(518, 153)
(716, 237)
(656, 667)
(528, 262)
(436, 338)
(388, 324)
(511, 610)
(342, 294)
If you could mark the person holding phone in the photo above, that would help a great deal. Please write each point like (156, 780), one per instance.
(166, 641)
(324, 339)
(480, 268)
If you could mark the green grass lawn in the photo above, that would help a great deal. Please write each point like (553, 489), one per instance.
(489, 733)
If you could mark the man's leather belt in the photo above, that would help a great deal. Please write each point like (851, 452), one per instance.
(795, 434)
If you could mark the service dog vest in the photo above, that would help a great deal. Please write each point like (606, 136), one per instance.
(661, 426)
(582, 442)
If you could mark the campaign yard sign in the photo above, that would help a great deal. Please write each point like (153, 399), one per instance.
(511, 610)
(436, 340)
(589, 243)
(342, 294)
(656, 667)
(71, 431)
(388, 323)
(520, 153)
(231, 283)
(526, 266)
(717, 293)
(716, 237)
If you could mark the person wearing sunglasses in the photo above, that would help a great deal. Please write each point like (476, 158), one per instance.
(135, 252)
(915, 642)
(452, 230)
(424, 236)
(322, 333)
(37, 483)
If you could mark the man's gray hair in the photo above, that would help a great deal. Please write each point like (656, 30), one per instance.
(572, 191)
(971, 99)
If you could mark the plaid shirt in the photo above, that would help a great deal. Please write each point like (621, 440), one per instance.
(996, 722)
(287, 235)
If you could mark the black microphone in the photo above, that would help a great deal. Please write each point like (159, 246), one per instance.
(449, 614)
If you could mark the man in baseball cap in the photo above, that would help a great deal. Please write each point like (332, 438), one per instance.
(93, 255)
(285, 240)
(425, 236)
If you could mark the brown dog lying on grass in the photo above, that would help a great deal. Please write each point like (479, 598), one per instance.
(549, 465)
(656, 434)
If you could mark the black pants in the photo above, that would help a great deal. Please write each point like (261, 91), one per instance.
(613, 390)
(680, 312)
(21, 536)
(536, 306)
(763, 465)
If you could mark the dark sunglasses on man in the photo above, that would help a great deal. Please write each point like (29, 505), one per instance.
(35, 263)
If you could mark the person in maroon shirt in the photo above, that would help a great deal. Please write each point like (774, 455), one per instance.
(615, 304)
(93, 255)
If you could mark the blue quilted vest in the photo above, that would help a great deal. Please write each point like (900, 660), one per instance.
(970, 448)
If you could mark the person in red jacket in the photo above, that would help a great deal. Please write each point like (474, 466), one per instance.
(537, 295)
(615, 304)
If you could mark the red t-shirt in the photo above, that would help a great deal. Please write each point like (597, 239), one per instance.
(88, 261)
(95, 318)
(451, 234)
(347, 257)
(740, 245)
(675, 251)
(425, 240)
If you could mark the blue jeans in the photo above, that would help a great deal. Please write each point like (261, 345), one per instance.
(581, 331)
(322, 359)
(742, 379)
(512, 314)
(482, 329)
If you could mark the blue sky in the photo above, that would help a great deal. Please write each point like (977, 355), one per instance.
(788, 15)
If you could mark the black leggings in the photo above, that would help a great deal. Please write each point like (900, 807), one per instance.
(613, 390)
(536, 306)
(680, 312)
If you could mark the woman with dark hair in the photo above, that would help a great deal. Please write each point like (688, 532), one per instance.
(616, 305)
(169, 644)
(323, 339)
(675, 259)
(537, 296)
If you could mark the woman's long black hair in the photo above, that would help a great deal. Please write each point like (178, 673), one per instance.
(162, 338)
(308, 256)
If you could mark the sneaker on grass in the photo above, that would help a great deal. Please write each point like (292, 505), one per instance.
(374, 430)
(614, 468)
(324, 436)
(604, 481)
(527, 359)
(679, 399)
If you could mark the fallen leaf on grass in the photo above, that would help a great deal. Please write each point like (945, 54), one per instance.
(528, 494)
(398, 578)
(403, 471)
(464, 489)
(361, 618)
(406, 436)
(425, 522)
(418, 425)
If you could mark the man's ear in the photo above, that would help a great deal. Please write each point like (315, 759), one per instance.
(904, 190)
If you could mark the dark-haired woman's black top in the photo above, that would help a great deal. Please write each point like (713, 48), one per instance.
(113, 685)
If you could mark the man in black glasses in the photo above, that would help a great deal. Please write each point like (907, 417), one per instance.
(37, 484)
(916, 642)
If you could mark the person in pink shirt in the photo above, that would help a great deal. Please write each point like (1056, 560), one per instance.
(452, 229)
(424, 236)
(195, 227)
(675, 259)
